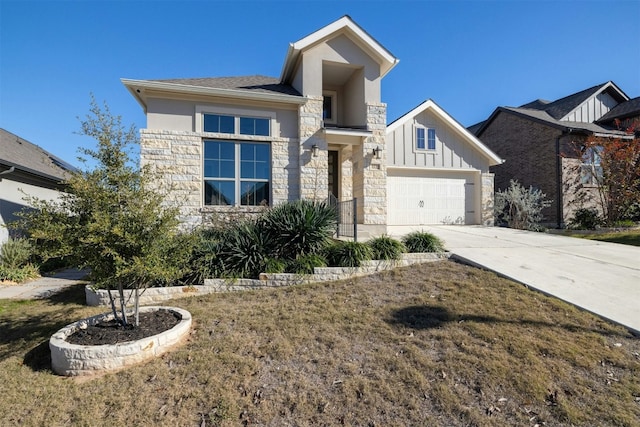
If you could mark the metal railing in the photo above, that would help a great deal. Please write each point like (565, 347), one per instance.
(347, 217)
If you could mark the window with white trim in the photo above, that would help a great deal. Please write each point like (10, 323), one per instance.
(236, 173)
(238, 125)
(425, 138)
(591, 167)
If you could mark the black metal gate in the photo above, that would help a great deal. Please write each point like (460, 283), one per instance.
(347, 219)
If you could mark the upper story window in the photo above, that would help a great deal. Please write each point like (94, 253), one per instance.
(238, 125)
(329, 104)
(425, 138)
(591, 167)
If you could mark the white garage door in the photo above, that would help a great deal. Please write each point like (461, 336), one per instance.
(422, 200)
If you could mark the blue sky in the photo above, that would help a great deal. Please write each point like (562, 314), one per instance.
(468, 56)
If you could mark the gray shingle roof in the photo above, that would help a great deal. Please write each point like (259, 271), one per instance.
(563, 106)
(262, 84)
(26, 156)
(629, 108)
(544, 116)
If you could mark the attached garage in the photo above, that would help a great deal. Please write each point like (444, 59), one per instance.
(437, 171)
(431, 198)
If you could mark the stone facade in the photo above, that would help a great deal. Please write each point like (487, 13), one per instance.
(176, 157)
(314, 170)
(488, 198)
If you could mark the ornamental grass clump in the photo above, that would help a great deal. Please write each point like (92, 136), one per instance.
(386, 248)
(306, 264)
(421, 241)
(348, 254)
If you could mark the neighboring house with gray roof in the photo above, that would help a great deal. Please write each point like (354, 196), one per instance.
(318, 132)
(538, 141)
(26, 170)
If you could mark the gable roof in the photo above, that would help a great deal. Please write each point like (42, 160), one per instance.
(430, 105)
(25, 156)
(562, 107)
(623, 110)
(344, 25)
(554, 113)
(245, 87)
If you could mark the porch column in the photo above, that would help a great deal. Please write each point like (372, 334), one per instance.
(488, 190)
(369, 173)
(314, 171)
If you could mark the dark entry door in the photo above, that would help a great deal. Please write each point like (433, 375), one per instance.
(334, 177)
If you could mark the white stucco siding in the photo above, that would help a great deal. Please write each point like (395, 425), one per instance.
(12, 194)
(452, 150)
(340, 50)
(183, 116)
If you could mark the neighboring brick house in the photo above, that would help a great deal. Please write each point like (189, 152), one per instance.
(233, 144)
(26, 170)
(538, 142)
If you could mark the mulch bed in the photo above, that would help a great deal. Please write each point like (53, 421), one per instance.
(111, 332)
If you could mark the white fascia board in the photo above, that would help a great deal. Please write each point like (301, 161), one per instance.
(199, 90)
(348, 132)
(453, 123)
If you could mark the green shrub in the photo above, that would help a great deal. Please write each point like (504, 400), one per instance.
(18, 274)
(244, 250)
(385, 247)
(274, 265)
(204, 261)
(305, 264)
(15, 253)
(519, 207)
(347, 254)
(421, 241)
(586, 219)
(625, 223)
(298, 228)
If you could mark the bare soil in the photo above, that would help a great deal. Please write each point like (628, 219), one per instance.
(112, 332)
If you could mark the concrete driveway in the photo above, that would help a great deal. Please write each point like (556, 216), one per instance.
(603, 278)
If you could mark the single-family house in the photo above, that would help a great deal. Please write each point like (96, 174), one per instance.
(318, 131)
(26, 170)
(540, 142)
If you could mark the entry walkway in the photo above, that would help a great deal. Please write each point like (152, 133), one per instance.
(603, 278)
(44, 286)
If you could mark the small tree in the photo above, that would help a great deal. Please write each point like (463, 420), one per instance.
(519, 207)
(111, 219)
(616, 173)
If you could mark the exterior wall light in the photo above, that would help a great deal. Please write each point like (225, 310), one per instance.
(377, 152)
(314, 150)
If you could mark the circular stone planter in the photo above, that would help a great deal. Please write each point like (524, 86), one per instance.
(73, 359)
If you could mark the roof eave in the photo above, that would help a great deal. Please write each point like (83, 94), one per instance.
(135, 86)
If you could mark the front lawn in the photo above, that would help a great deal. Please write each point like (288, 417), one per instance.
(626, 237)
(438, 344)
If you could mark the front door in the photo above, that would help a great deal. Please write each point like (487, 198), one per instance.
(334, 177)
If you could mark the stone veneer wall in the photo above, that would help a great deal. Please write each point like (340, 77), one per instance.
(370, 174)
(177, 158)
(314, 171)
(488, 197)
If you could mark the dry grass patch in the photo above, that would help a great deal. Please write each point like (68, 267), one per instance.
(437, 344)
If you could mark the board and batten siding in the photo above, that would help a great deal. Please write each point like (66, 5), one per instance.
(592, 109)
(452, 152)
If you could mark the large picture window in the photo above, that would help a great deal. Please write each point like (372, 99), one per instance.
(236, 173)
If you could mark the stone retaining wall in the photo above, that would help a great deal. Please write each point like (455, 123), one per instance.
(267, 280)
